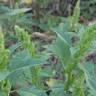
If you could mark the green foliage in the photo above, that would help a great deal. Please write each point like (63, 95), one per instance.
(72, 62)
(86, 41)
(4, 56)
(30, 91)
(10, 17)
(27, 44)
(18, 62)
(60, 69)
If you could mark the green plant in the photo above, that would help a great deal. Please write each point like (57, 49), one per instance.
(9, 17)
(71, 61)
(71, 46)
(75, 18)
(27, 44)
(72, 57)
(20, 62)
(63, 68)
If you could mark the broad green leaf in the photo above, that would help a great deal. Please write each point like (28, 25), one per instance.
(46, 72)
(58, 91)
(18, 11)
(4, 9)
(3, 93)
(4, 75)
(63, 34)
(14, 47)
(23, 60)
(30, 91)
(62, 50)
(88, 68)
(17, 77)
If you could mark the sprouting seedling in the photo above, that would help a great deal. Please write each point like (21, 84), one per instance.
(1, 39)
(86, 40)
(4, 58)
(4, 53)
(83, 45)
(75, 17)
(23, 36)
